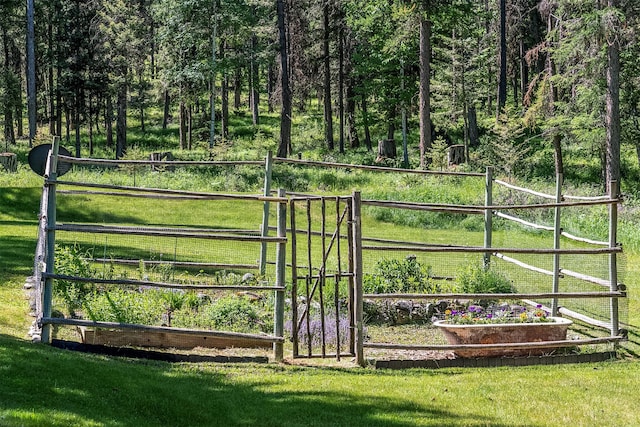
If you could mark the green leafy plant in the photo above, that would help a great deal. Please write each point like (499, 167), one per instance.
(477, 279)
(126, 306)
(71, 261)
(392, 275)
(476, 314)
(236, 313)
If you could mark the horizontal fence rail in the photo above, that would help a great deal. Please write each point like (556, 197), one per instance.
(152, 284)
(165, 232)
(184, 331)
(505, 346)
(478, 249)
(185, 264)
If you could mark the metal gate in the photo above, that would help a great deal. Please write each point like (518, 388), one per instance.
(322, 271)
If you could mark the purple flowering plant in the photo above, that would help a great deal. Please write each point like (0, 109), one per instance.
(476, 314)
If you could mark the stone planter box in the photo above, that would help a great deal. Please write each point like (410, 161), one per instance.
(503, 333)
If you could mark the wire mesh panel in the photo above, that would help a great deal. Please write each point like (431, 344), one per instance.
(164, 268)
(465, 275)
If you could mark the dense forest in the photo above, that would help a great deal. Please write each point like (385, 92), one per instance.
(506, 80)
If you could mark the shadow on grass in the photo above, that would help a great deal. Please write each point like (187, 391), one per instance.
(16, 255)
(23, 204)
(45, 386)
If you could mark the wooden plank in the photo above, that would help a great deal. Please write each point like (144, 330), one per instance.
(373, 168)
(151, 284)
(107, 162)
(477, 249)
(511, 346)
(161, 339)
(178, 331)
(195, 194)
(164, 232)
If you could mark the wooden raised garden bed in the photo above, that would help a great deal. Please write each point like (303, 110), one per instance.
(166, 339)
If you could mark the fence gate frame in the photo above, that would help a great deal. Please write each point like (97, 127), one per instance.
(314, 278)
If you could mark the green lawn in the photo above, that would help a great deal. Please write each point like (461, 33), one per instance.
(44, 386)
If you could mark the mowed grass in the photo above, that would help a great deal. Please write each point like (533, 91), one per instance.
(44, 386)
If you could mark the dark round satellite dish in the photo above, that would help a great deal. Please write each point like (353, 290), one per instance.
(38, 159)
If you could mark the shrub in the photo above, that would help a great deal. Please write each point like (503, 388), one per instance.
(70, 261)
(117, 305)
(478, 279)
(392, 275)
(236, 314)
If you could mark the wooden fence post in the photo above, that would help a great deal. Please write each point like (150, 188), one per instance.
(264, 232)
(557, 231)
(50, 177)
(357, 277)
(281, 251)
(614, 193)
(488, 215)
(294, 279)
(351, 260)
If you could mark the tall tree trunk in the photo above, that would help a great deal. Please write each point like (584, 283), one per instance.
(141, 99)
(328, 113)
(9, 131)
(237, 88)
(285, 114)
(108, 121)
(524, 70)
(425, 83)
(612, 116)
(352, 131)
(166, 109)
(90, 125)
(365, 122)
(224, 93)
(474, 135)
(557, 137)
(271, 84)
(212, 82)
(391, 122)
(183, 125)
(31, 71)
(76, 123)
(52, 105)
(190, 127)
(502, 80)
(253, 79)
(121, 122)
(341, 84)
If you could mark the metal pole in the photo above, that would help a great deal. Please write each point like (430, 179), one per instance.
(264, 232)
(557, 231)
(281, 248)
(488, 215)
(357, 277)
(50, 177)
(614, 193)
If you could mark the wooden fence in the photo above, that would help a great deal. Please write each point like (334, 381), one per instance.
(359, 243)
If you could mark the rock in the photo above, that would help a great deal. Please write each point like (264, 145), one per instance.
(248, 278)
